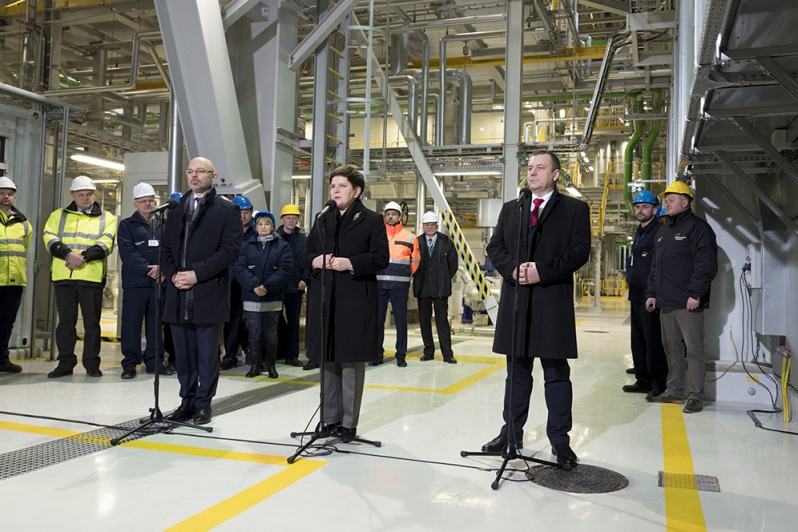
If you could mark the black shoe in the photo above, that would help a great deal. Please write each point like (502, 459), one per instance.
(497, 444)
(377, 361)
(636, 388)
(401, 363)
(427, 357)
(693, 406)
(202, 416)
(630, 371)
(346, 435)
(327, 430)
(450, 360)
(293, 362)
(565, 455)
(165, 370)
(652, 394)
(310, 364)
(271, 371)
(182, 413)
(59, 371)
(9, 367)
(129, 372)
(254, 371)
(228, 364)
(94, 372)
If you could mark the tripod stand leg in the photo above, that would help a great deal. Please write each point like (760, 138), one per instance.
(495, 484)
(291, 459)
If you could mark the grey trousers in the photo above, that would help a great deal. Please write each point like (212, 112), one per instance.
(343, 392)
(683, 339)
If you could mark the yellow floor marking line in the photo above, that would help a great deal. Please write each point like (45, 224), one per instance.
(683, 512)
(218, 513)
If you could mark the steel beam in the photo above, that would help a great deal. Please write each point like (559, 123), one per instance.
(235, 10)
(202, 80)
(779, 74)
(322, 30)
(751, 184)
(611, 6)
(734, 201)
(765, 144)
(513, 84)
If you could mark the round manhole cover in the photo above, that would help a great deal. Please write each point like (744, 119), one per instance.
(582, 479)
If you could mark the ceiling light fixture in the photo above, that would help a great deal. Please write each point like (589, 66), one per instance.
(96, 161)
(572, 190)
(303, 176)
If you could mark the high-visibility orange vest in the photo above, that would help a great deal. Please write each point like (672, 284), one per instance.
(404, 258)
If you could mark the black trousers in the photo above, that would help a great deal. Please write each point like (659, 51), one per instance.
(235, 330)
(288, 327)
(197, 361)
(138, 305)
(441, 305)
(11, 297)
(558, 392)
(648, 353)
(68, 296)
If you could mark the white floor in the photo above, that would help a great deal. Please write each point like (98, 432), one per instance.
(424, 415)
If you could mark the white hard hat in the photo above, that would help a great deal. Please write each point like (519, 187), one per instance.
(392, 206)
(429, 217)
(82, 182)
(7, 183)
(143, 189)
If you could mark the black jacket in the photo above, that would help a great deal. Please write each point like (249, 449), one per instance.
(297, 241)
(559, 245)
(638, 265)
(351, 298)
(434, 275)
(268, 265)
(209, 246)
(685, 262)
(133, 240)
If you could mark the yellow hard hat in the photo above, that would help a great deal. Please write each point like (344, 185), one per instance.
(290, 208)
(678, 187)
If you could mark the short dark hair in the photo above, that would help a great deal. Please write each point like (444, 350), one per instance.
(555, 161)
(352, 175)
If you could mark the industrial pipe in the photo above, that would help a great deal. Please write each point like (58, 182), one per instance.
(628, 154)
(652, 138)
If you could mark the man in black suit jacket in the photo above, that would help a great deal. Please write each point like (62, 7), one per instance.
(202, 239)
(432, 286)
(555, 242)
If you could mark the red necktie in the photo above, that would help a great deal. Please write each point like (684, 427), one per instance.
(536, 211)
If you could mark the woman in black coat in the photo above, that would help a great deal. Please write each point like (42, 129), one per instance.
(263, 270)
(351, 241)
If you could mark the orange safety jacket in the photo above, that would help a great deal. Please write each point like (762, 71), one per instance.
(404, 258)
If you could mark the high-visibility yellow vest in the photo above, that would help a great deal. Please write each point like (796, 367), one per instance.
(15, 231)
(79, 231)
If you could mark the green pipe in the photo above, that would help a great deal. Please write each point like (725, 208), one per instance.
(648, 147)
(628, 155)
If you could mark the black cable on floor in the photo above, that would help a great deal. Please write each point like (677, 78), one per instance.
(65, 420)
(758, 424)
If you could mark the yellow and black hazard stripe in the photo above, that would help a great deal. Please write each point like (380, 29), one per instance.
(465, 253)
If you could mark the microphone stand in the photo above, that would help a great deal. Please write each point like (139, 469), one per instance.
(156, 416)
(510, 452)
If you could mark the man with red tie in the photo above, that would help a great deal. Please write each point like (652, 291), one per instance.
(555, 242)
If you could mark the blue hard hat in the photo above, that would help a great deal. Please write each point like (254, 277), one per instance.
(262, 213)
(242, 202)
(662, 212)
(645, 196)
(176, 196)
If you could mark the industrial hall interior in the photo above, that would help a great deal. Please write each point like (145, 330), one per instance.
(398, 265)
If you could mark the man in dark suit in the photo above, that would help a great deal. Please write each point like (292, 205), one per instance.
(202, 239)
(555, 242)
(432, 286)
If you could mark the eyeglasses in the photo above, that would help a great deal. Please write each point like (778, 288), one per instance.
(145, 201)
(199, 171)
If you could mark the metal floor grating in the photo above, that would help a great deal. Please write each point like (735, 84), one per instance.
(690, 482)
(29, 459)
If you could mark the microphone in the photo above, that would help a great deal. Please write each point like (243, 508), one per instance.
(327, 206)
(169, 205)
(524, 194)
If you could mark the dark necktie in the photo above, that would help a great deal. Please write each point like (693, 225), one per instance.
(536, 211)
(430, 244)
